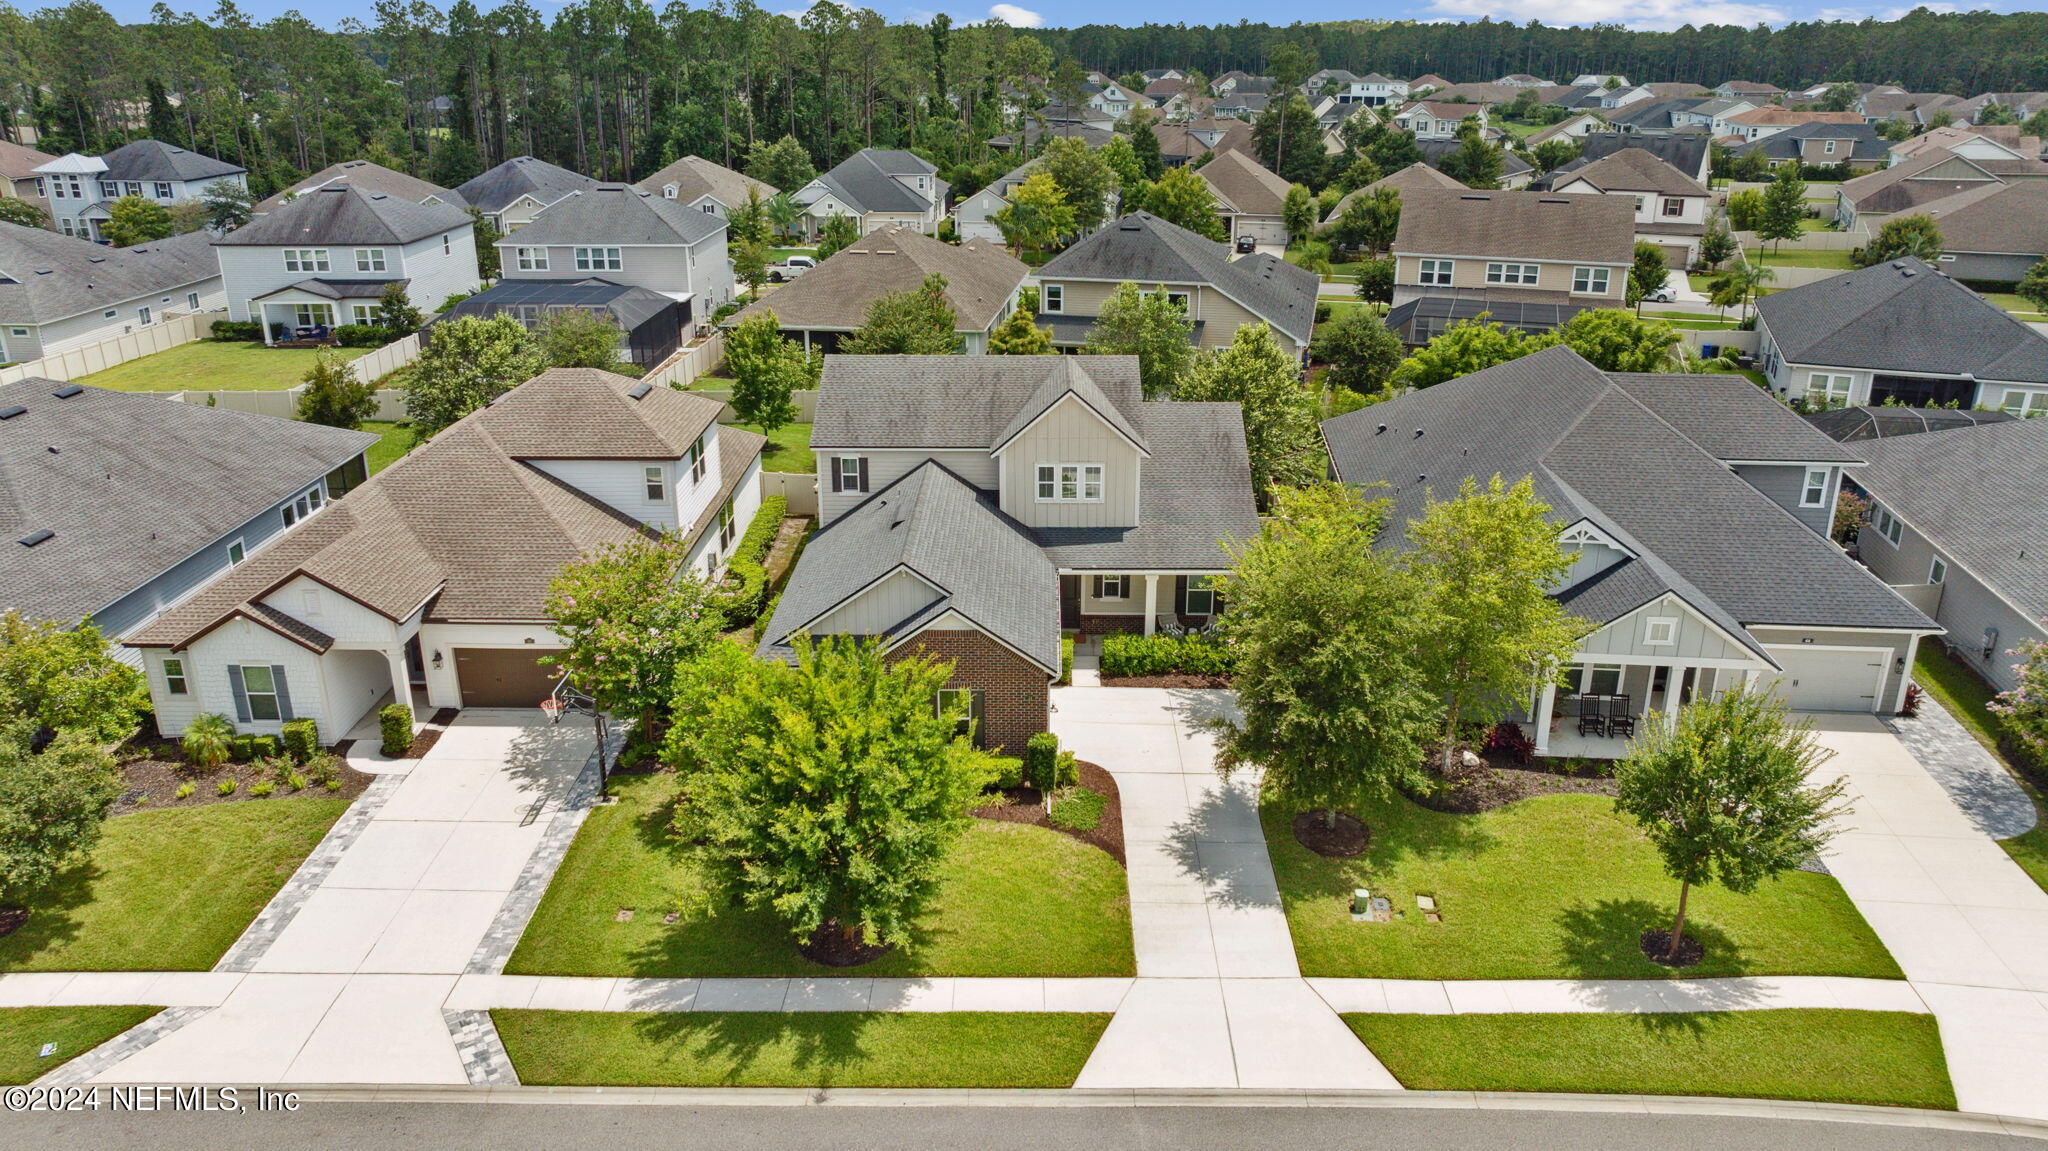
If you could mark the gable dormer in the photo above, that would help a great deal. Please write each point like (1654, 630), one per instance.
(1594, 550)
(1070, 457)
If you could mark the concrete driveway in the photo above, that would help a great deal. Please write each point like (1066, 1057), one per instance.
(1969, 928)
(347, 970)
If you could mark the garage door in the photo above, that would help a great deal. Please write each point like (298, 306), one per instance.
(1674, 256)
(1831, 679)
(502, 677)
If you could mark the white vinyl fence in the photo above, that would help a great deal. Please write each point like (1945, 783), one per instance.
(283, 402)
(174, 329)
(800, 490)
(689, 363)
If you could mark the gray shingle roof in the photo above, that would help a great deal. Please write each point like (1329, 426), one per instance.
(1600, 449)
(135, 485)
(492, 190)
(155, 160)
(1144, 249)
(1196, 495)
(1524, 225)
(1244, 185)
(981, 280)
(934, 524)
(1416, 175)
(1865, 143)
(1902, 316)
(617, 214)
(1976, 493)
(344, 214)
(1730, 422)
(950, 401)
(866, 181)
(371, 177)
(46, 277)
(1636, 170)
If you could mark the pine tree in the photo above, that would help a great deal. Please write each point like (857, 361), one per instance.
(1017, 335)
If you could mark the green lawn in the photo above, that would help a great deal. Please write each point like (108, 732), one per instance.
(817, 1049)
(75, 1031)
(168, 890)
(1754, 376)
(1013, 900)
(788, 450)
(1802, 258)
(393, 441)
(2018, 305)
(1559, 886)
(215, 367)
(778, 255)
(1888, 1058)
(1964, 693)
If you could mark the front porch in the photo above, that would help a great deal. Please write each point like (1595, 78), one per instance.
(1098, 603)
(1602, 706)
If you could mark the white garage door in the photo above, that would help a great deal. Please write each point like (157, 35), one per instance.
(1831, 679)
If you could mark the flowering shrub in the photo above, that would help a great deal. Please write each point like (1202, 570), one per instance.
(1508, 739)
(2024, 709)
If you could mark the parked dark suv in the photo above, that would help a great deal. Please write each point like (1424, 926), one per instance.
(1247, 244)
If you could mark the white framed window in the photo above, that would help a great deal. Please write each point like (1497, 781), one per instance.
(192, 300)
(1063, 483)
(163, 190)
(1180, 298)
(1052, 297)
(370, 260)
(362, 313)
(110, 189)
(964, 702)
(313, 315)
(259, 687)
(1937, 571)
(598, 260)
(1673, 206)
(655, 480)
(110, 313)
(1438, 272)
(531, 259)
(306, 260)
(694, 460)
(847, 474)
(728, 527)
(1813, 492)
(236, 552)
(1590, 281)
(1512, 274)
(142, 314)
(710, 209)
(668, 191)
(1830, 388)
(132, 187)
(174, 677)
(1201, 597)
(2025, 405)
(1828, 147)
(1886, 523)
(1660, 630)
(1112, 587)
(1603, 680)
(309, 501)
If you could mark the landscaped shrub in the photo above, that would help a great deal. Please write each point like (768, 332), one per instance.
(209, 740)
(745, 589)
(252, 747)
(324, 768)
(262, 788)
(1508, 740)
(237, 331)
(1066, 661)
(394, 723)
(301, 739)
(1078, 810)
(1041, 760)
(1009, 770)
(1161, 654)
(186, 789)
(362, 336)
(226, 786)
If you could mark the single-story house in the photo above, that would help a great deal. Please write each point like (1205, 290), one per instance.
(879, 188)
(832, 299)
(1922, 178)
(62, 292)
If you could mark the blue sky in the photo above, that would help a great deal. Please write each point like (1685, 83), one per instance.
(1649, 14)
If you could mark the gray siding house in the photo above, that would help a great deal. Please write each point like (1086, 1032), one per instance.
(62, 292)
(628, 236)
(82, 189)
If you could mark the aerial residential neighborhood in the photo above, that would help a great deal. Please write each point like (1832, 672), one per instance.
(719, 577)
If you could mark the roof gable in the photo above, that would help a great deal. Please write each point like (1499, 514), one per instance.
(347, 214)
(1142, 248)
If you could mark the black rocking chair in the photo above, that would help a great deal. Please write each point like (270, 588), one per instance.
(1621, 721)
(1591, 722)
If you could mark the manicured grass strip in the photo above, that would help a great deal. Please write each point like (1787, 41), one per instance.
(1804, 258)
(1013, 900)
(1559, 886)
(215, 367)
(75, 1031)
(168, 890)
(818, 1049)
(788, 449)
(1966, 696)
(393, 442)
(1886, 1058)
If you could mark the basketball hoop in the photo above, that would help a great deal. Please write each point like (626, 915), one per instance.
(552, 708)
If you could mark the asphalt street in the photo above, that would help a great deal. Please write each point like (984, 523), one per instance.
(376, 1126)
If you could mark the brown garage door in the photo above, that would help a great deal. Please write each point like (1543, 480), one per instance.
(502, 677)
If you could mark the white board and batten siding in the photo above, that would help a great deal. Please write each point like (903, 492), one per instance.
(1694, 642)
(1071, 433)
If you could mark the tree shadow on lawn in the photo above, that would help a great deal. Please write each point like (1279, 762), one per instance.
(824, 1042)
(1603, 940)
(52, 921)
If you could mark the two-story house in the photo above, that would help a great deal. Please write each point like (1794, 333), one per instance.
(879, 188)
(119, 504)
(1857, 146)
(1220, 294)
(18, 178)
(700, 185)
(818, 308)
(82, 189)
(1530, 260)
(974, 217)
(1671, 207)
(1899, 332)
(974, 507)
(427, 583)
(63, 292)
(370, 177)
(514, 192)
(624, 235)
(1372, 89)
(1925, 177)
(1113, 99)
(1436, 119)
(323, 259)
(1697, 509)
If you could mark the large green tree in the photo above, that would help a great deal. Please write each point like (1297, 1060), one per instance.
(1783, 207)
(632, 616)
(1264, 380)
(1020, 335)
(1369, 220)
(1727, 793)
(67, 679)
(2033, 287)
(137, 220)
(1468, 346)
(829, 791)
(915, 322)
(1617, 340)
(1182, 197)
(1360, 350)
(1084, 177)
(782, 165)
(469, 362)
(1152, 327)
(579, 338)
(1900, 236)
(52, 804)
(1288, 140)
(1036, 216)
(1647, 272)
(766, 369)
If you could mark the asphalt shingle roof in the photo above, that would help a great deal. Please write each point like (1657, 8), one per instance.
(370, 177)
(345, 214)
(1244, 185)
(694, 176)
(1524, 225)
(617, 214)
(493, 190)
(155, 160)
(1144, 249)
(1902, 316)
(1865, 143)
(46, 277)
(867, 181)
(981, 279)
(1416, 175)
(951, 401)
(133, 485)
(1636, 170)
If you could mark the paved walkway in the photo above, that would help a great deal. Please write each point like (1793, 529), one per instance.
(343, 978)
(1969, 928)
(1980, 785)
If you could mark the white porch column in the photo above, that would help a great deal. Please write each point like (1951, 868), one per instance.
(1546, 703)
(263, 321)
(1151, 601)
(401, 680)
(1674, 686)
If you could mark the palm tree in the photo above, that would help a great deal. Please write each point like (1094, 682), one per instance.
(1739, 285)
(784, 212)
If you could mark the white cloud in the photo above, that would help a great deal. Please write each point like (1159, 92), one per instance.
(1016, 17)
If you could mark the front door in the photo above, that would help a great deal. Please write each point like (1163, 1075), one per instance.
(1070, 601)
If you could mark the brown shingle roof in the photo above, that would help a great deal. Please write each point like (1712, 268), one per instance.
(695, 176)
(1522, 225)
(1416, 175)
(1244, 184)
(1636, 170)
(2008, 218)
(980, 280)
(1775, 116)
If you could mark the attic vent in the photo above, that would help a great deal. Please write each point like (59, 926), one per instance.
(1418, 433)
(1475, 198)
(67, 391)
(377, 196)
(640, 391)
(1909, 273)
(42, 271)
(1553, 200)
(37, 536)
(1379, 430)
(1129, 226)
(96, 260)
(10, 413)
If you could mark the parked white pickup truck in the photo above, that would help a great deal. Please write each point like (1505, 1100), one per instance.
(790, 269)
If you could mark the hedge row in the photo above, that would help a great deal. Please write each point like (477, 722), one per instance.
(745, 590)
(1162, 654)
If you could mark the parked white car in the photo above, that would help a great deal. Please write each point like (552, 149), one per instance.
(790, 269)
(1664, 295)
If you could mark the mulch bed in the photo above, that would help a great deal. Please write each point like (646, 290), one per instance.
(422, 743)
(445, 716)
(1656, 948)
(1502, 781)
(1027, 805)
(1166, 681)
(1349, 836)
(151, 780)
(832, 946)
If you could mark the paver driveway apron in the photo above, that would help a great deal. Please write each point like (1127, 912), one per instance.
(352, 988)
(1219, 1000)
(1969, 928)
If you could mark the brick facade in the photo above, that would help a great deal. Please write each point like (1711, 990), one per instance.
(1015, 695)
